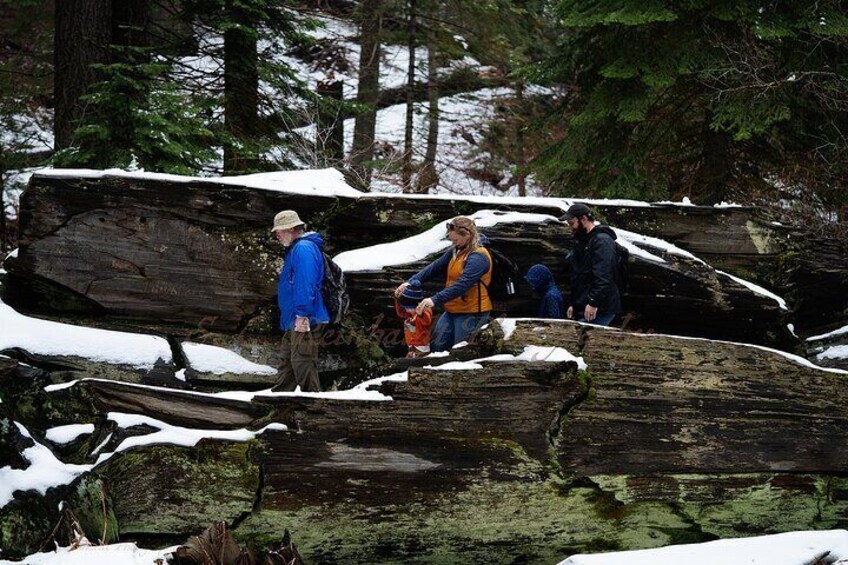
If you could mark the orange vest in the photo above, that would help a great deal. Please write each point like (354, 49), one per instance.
(476, 299)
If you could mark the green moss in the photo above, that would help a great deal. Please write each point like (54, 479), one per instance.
(174, 490)
(93, 509)
(492, 522)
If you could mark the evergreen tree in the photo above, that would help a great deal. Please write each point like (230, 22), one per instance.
(156, 109)
(706, 99)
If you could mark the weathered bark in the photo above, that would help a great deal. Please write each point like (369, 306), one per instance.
(180, 408)
(241, 93)
(664, 404)
(368, 92)
(81, 40)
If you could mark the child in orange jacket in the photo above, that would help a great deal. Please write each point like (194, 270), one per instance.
(416, 327)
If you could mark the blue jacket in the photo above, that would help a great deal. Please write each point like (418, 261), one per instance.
(542, 281)
(476, 265)
(299, 289)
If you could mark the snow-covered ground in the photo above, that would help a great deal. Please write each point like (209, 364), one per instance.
(793, 548)
(87, 554)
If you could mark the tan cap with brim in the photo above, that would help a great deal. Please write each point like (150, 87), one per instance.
(286, 220)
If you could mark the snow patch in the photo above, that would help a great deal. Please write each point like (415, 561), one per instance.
(834, 352)
(61, 435)
(835, 333)
(86, 554)
(60, 386)
(44, 472)
(43, 337)
(315, 182)
(790, 548)
(174, 435)
(218, 360)
(455, 366)
(422, 245)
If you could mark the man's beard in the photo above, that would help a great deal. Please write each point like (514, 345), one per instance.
(579, 231)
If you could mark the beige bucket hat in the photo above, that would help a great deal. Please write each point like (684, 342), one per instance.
(285, 220)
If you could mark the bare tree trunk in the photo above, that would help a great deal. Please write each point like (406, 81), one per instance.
(81, 39)
(368, 93)
(241, 100)
(428, 177)
(330, 126)
(406, 172)
(521, 157)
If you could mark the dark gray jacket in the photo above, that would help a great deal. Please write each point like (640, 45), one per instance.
(593, 266)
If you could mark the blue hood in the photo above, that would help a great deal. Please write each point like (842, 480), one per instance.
(540, 278)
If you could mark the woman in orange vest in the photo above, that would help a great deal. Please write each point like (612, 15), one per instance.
(467, 271)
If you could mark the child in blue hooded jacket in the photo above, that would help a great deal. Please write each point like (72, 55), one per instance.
(542, 280)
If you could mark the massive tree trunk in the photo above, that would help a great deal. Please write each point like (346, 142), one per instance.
(241, 101)
(82, 37)
(368, 93)
(406, 166)
(220, 268)
(428, 178)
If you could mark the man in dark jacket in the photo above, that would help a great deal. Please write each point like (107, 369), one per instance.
(594, 296)
(302, 309)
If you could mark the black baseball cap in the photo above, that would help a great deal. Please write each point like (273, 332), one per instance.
(577, 210)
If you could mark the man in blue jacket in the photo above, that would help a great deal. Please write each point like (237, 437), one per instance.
(302, 309)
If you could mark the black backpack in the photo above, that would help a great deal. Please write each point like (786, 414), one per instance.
(505, 276)
(622, 257)
(334, 290)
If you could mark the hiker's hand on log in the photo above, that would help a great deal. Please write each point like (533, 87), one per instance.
(301, 324)
(570, 313)
(399, 290)
(425, 304)
(590, 313)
